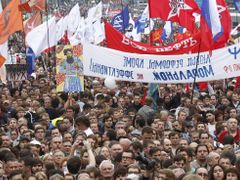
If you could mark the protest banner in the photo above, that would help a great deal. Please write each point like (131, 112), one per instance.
(69, 68)
(103, 62)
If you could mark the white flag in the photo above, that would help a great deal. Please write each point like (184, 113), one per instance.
(61, 27)
(95, 13)
(43, 36)
(99, 33)
(78, 37)
(73, 20)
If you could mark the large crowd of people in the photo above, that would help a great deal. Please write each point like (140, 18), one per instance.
(119, 133)
(122, 133)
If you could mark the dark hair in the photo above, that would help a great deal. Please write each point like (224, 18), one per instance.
(211, 176)
(179, 157)
(121, 171)
(74, 164)
(232, 170)
(83, 120)
(147, 129)
(16, 172)
(201, 145)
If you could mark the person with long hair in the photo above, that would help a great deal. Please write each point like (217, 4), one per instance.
(216, 172)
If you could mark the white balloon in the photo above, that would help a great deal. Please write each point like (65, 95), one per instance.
(110, 83)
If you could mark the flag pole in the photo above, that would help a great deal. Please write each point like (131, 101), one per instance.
(195, 73)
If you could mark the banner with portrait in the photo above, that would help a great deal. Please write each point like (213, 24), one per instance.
(69, 68)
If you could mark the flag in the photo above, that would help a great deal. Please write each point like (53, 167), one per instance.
(73, 20)
(3, 56)
(237, 5)
(78, 37)
(121, 20)
(10, 20)
(32, 22)
(167, 30)
(142, 21)
(226, 24)
(43, 36)
(61, 27)
(30, 58)
(181, 11)
(99, 33)
(210, 23)
(95, 13)
(36, 5)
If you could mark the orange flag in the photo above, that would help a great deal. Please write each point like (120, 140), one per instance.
(10, 20)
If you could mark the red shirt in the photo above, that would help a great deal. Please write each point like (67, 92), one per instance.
(224, 133)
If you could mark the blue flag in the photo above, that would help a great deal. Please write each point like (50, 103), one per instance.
(142, 21)
(30, 61)
(237, 4)
(121, 20)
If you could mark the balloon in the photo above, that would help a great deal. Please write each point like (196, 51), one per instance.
(110, 83)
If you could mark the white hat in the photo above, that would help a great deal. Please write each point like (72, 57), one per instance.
(35, 142)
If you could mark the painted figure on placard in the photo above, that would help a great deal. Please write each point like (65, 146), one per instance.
(73, 69)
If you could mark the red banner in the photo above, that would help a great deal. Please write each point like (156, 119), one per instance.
(116, 40)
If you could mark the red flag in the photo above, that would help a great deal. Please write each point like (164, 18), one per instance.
(38, 5)
(181, 11)
(25, 7)
(226, 22)
(32, 22)
(116, 40)
(35, 5)
(203, 86)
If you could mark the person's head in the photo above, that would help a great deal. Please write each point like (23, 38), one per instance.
(210, 116)
(82, 123)
(16, 175)
(84, 175)
(11, 165)
(73, 164)
(127, 158)
(174, 138)
(167, 145)
(179, 161)
(147, 133)
(182, 116)
(134, 169)
(106, 169)
(202, 152)
(232, 124)
(93, 172)
(55, 132)
(6, 141)
(216, 172)
(37, 165)
(202, 172)
(185, 152)
(192, 177)
(56, 143)
(225, 162)
(232, 174)
(39, 133)
(120, 173)
(204, 137)
(115, 148)
(213, 158)
(165, 174)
